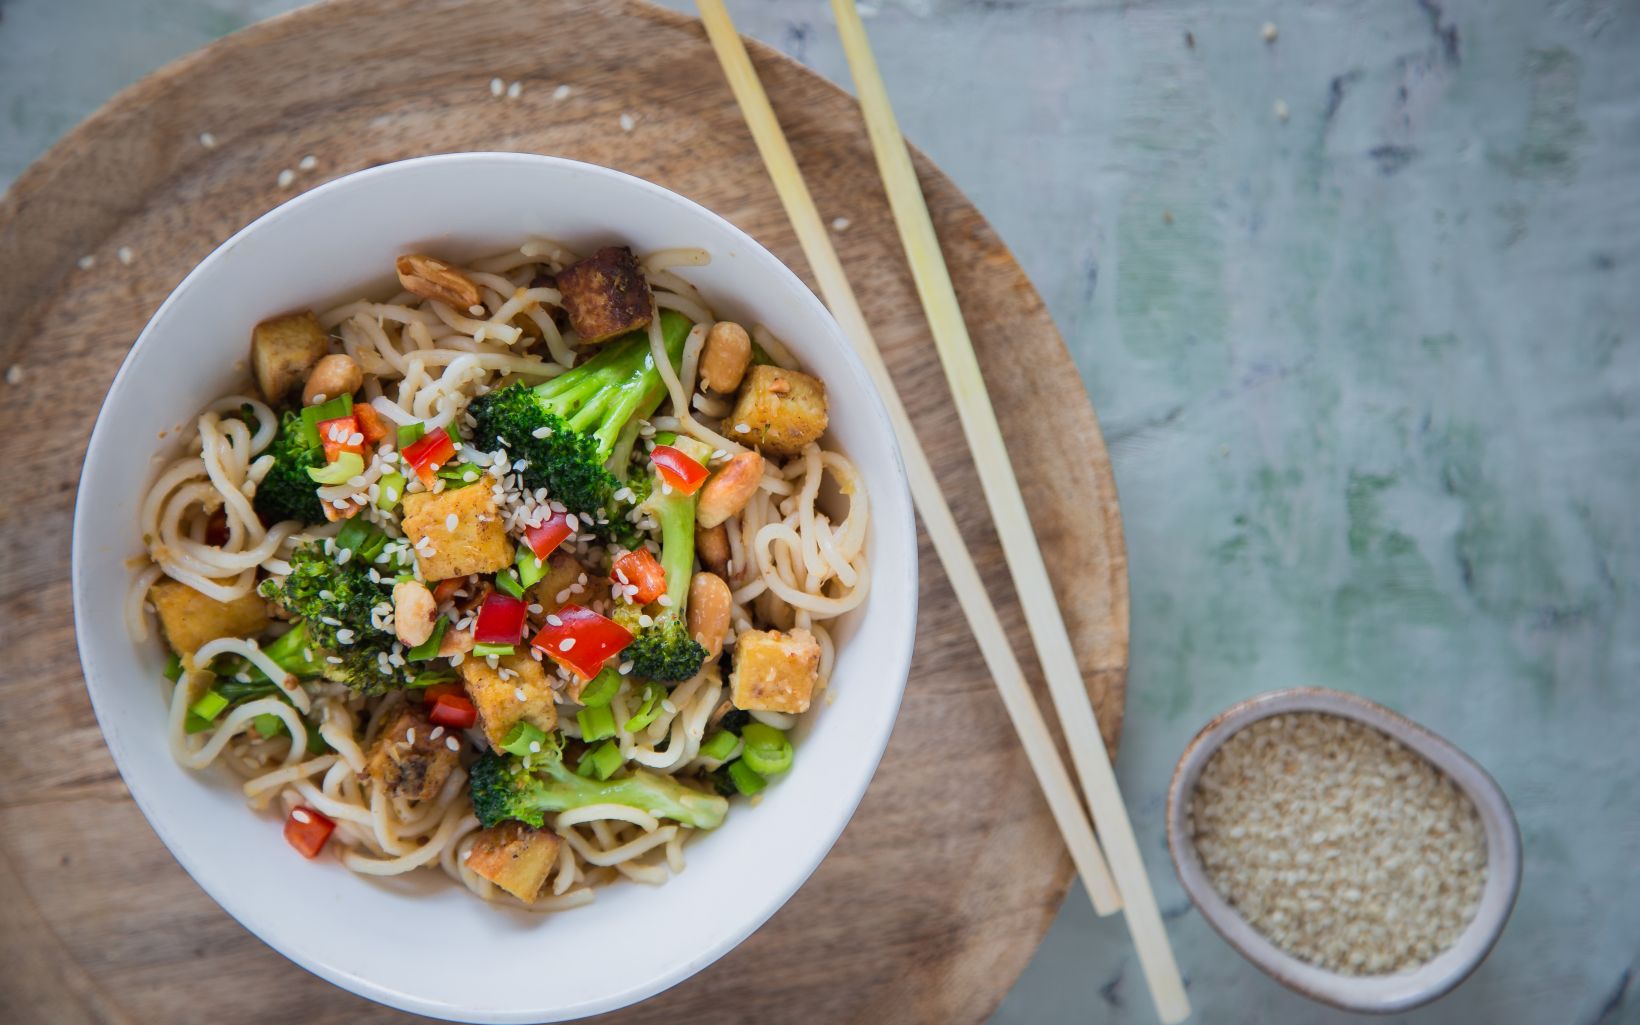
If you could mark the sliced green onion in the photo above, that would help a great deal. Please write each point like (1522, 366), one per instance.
(313, 416)
(508, 584)
(600, 762)
(521, 737)
(316, 745)
(719, 745)
(601, 689)
(767, 749)
(665, 437)
(596, 723)
(269, 725)
(650, 710)
(745, 778)
(486, 650)
(194, 724)
(457, 473)
(409, 434)
(530, 569)
(434, 676)
(209, 705)
(173, 667)
(429, 648)
(391, 490)
(346, 466)
(362, 538)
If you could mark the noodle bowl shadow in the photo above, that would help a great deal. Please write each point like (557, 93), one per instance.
(499, 963)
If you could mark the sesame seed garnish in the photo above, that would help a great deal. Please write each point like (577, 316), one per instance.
(285, 178)
(207, 140)
(451, 522)
(566, 644)
(627, 123)
(86, 262)
(535, 747)
(125, 255)
(515, 90)
(561, 93)
(452, 743)
(14, 374)
(301, 816)
(839, 223)
(742, 428)
(497, 87)
(518, 692)
(307, 163)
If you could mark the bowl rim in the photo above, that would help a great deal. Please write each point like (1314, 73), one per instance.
(1374, 994)
(893, 521)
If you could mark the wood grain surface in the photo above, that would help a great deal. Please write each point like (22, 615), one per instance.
(949, 874)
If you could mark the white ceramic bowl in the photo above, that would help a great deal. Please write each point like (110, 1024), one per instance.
(496, 965)
(1378, 994)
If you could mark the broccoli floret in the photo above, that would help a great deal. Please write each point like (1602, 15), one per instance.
(664, 650)
(335, 603)
(503, 787)
(287, 492)
(582, 417)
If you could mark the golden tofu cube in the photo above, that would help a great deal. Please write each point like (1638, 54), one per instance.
(408, 761)
(463, 529)
(775, 672)
(606, 294)
(515, 857)
(191, 619)
(283, 351)
(496, 694)
(781, 410)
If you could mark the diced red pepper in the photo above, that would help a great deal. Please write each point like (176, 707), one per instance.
(678, 469)
(371, 424)
(453, 710)
(337, 436)
(439, 690)
(639, 569)
(548, 536)
(431, 451)
(307, 830)
(444, 590)
(500, 619)
(581, 640)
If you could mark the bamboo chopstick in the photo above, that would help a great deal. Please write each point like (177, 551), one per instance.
(1017, 699)
(1047, 626)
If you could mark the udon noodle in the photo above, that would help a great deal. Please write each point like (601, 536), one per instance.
(794, 562)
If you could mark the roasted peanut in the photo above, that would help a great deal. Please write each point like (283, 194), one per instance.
(432, 278)
(709, 604)
(332, 376)
(724, 359)
(414, 612)
(730, 488)
(712, 545)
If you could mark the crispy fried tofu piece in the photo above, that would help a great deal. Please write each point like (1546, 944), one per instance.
(775, 672)
(515, 857)
(476, 543)
(283, 351)
(782, 410)
(497, 697)
(605, 294)
(191, 619)
(407, 761)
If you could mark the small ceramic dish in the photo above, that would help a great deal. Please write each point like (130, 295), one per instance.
(1378, 994)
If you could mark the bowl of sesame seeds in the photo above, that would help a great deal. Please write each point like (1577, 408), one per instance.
(1348, 852)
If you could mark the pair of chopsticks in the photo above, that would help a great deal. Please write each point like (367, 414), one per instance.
(1123, 883)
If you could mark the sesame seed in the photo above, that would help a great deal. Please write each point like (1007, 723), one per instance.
(410, 735)
(300, 815)
(452, 743)
(535, 747)
(307, 163)
(345, 554)
(451, 522)
(514, 90)
(627, 123)
(561, 93)
(553, 620)
(207, 140)
(345, 636)
(1269, 32)
(285, 178)
(541, 432)
(497, 87)
(566, 644)
(125, 255)
(87, 262)
(742, 428)
(518, 692)
(333, 660)
(839, 223)
(1280, 110)
(14, 374)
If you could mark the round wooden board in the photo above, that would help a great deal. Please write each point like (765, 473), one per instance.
(947, 878)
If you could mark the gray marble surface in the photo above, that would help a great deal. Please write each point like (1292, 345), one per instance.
(1356, 308)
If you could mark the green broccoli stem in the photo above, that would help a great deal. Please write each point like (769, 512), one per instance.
(676, 513)
(658, 795)
(618, 385)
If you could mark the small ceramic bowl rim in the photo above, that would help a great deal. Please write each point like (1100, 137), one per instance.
(1376, 994)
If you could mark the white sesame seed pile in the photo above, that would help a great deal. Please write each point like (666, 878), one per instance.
(1339, 844)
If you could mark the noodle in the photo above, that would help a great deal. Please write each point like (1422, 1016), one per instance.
(790, 564)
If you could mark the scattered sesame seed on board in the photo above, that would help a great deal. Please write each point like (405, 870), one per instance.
(86, 262)
(561, 93)
(1281, 110)
(14, 374)
(207, 140)
(286, 177)
(515, 90)
(497, 87)
(840, 223)
(1269, 32)
(307, 163)
(628, 122)
(126, 256)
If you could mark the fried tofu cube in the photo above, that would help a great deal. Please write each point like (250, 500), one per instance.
(408, 761)
(191, 619)
(516, 689)
(463, 529)
(779, 410)
(515, 856)
(606, 294)
(283, 351)
(775, 672)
